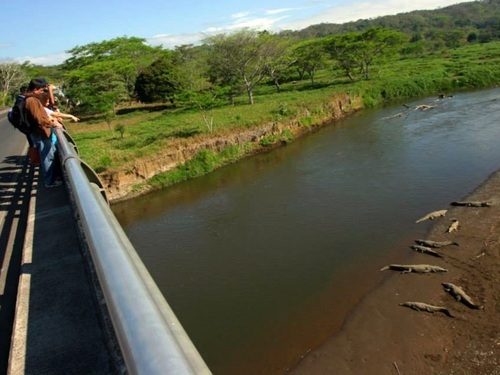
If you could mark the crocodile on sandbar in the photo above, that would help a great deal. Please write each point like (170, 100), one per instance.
(432, 215)
(436, 244)
(421, 306)
(417, 268)
(459, 294)
(454, 226)
(472, 204)
(425, 250)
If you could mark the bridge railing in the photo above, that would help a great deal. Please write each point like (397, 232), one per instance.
(151, 339)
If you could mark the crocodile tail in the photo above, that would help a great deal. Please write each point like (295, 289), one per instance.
(474, 306)
(448, 313)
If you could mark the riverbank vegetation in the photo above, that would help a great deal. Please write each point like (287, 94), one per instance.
(138, 101)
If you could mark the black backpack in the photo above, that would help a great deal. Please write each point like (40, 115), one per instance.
(18, 116)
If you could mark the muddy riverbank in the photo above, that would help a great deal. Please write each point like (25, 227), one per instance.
(381, 337)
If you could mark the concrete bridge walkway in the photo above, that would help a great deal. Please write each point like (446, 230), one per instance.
(48, 317)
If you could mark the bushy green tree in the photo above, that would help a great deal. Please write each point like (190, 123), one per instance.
(158, 82)
(101, 75)
(242, 58)
(362, 49)
(191, 65)
(309, 56)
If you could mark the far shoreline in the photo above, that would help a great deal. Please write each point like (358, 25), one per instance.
(133, 181)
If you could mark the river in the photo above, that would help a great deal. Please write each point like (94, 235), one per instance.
(263, 260)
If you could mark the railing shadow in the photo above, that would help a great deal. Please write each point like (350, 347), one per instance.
(58, 318)
(15, 192)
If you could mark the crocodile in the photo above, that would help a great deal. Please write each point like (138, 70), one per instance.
(432, 215)
(424, 107)
(459, 294)
(472, 204)
(417, 268)
(426, 250)
(421, 306)
(436, 244)
(454, 226)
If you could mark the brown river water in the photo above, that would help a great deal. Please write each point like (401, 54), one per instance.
(263, 260)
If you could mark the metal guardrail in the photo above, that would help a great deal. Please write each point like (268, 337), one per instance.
(151, 339)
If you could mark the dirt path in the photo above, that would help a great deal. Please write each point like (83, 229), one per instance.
(381, 337)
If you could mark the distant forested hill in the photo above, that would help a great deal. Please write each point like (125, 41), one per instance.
(476, 21)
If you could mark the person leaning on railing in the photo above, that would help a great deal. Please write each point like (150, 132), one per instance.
(57, 117)
(42, 128)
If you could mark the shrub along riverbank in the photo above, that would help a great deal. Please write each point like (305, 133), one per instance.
(147, 148)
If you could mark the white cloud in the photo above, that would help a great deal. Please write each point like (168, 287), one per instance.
(261, 23)
(282, 10)
(241, 21)
(171, 41)
(240, 15)
(47, 60)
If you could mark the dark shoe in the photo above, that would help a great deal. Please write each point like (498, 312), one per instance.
(54, 184)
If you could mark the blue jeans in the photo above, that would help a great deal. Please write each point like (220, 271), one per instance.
(48, 158)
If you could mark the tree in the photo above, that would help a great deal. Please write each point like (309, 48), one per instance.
(12, 76)
(362, 49)
(377, 43)
(276, 67)
(241, 57)
(342, 49)
(206, 101)
(309, 56)
(191, 67)
(472, 37)
(221, 73)
(100, 75)
(97, 87)
(158, 82)
(454, 39)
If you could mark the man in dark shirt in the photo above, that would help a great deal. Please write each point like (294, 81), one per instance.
(22, 94)
(37, 93)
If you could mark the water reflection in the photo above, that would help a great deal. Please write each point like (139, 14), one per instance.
(262, 260)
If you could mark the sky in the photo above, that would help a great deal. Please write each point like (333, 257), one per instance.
(42, 32)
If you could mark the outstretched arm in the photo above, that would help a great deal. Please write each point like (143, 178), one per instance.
(60, 115)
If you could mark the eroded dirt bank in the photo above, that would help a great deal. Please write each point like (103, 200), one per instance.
(381, 337)
(120, 184)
